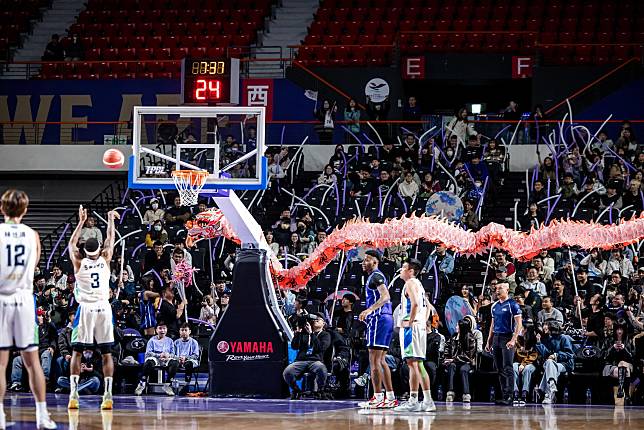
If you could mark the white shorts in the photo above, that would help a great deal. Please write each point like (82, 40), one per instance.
(413, 341)
(93, 323)
(18, 328)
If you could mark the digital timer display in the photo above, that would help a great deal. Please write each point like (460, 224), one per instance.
(210, 81)
(208, 67)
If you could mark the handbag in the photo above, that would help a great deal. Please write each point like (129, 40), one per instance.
(587, 358)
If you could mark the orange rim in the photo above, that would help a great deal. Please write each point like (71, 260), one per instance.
(194, 177)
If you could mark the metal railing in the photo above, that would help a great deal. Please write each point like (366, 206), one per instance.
(287, 132)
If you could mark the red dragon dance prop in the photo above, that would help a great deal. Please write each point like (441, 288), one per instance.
(407, 230)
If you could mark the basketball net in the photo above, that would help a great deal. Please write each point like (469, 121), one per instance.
(189, 184)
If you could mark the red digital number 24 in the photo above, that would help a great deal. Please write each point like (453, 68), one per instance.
(207, 89)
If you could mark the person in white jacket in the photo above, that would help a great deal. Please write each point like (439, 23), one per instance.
(460, 127)
(408, 187)
(618, 263)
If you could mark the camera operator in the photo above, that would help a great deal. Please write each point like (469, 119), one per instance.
(311, 342)
(300, 311)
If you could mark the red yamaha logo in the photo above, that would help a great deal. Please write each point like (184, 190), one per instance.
(223, 347)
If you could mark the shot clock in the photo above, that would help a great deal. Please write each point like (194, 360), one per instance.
(210, 81)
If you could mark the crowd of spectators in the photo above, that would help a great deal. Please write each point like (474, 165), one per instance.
(582, 309)
(571, 300)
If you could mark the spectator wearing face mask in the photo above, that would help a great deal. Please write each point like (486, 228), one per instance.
(155, 213)
(156, 234)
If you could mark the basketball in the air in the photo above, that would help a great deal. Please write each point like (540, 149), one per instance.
(113, 158)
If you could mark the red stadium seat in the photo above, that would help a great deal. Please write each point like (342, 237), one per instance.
(348, 39)
(566, 37)
(479, 24)
(129, 53)
(497, 24)
(461, 24)
(216, 51)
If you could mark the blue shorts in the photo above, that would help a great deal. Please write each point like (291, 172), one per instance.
(380, 329)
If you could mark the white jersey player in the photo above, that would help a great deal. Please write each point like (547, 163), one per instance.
(413, 337)
(93, 322)
(19, 255)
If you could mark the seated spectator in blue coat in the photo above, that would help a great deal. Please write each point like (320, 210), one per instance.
(556, 349)
(187, 351)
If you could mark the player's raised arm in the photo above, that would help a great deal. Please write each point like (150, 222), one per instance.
(74, 255)
(108, 245)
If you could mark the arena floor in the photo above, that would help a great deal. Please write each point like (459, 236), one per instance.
(164, 413)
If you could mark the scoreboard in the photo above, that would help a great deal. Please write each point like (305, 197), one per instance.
(210, 81)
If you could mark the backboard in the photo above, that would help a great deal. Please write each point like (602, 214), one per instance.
(226, 141)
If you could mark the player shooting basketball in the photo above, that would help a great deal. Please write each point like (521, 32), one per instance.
(93, 320)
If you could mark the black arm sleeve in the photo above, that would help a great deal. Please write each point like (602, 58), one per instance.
(376, 280)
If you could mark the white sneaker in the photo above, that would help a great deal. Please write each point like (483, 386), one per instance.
(362, 380)
(428, 406)
(552, 387)
(467, 398)
(168, 390)
(409, 407)
(140, 388)
(44, 422)
(3, 421)
(547, 399)
(449, 398)
(371, 403)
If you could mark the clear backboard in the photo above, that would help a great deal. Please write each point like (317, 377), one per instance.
(226, 141)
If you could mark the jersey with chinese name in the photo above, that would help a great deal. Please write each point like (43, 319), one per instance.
(18, 257)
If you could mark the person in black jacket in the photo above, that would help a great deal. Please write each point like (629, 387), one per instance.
(618, 353)
(460, 357)
(65, 345)
(311, 342)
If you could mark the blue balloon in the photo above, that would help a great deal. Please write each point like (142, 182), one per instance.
(445, 204)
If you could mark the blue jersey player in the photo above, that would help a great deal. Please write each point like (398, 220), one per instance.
(380, 326)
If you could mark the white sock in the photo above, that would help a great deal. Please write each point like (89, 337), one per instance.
(1, 409)
(413, 397)
(108, 384)
(427, 395)
(41, 409)
(380, 397)
(73, 383)
(391, 395)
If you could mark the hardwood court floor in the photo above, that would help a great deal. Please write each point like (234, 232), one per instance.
(164, 413)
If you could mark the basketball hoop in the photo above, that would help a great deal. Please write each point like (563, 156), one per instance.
(189, 183)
